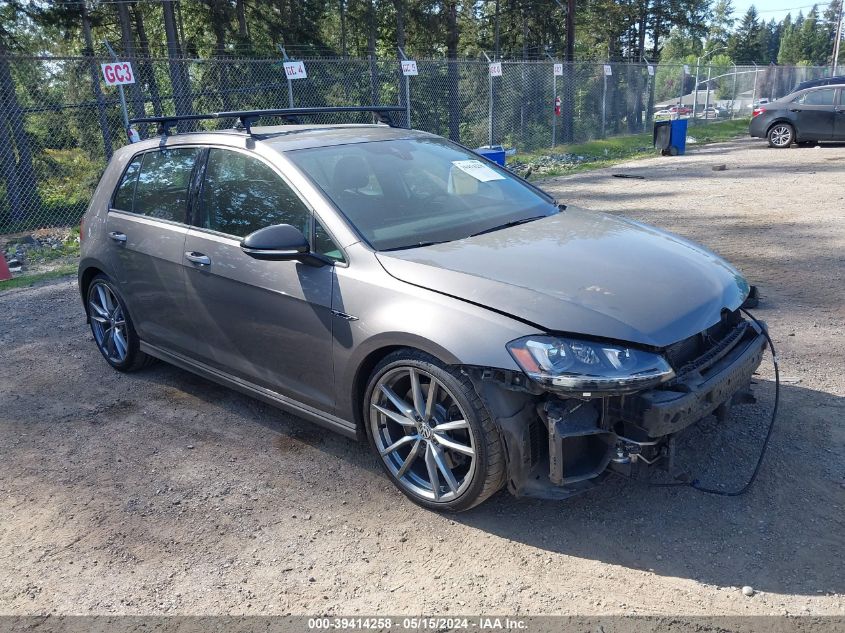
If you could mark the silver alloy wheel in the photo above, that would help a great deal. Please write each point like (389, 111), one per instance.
(108, 322)
(427, 445)
(781, 136)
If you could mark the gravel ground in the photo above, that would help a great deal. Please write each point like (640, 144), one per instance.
(161, 493)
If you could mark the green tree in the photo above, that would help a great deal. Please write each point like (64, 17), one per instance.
(744, 44)
(721, 24)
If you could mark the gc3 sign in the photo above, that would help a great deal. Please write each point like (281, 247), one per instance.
(118, 73)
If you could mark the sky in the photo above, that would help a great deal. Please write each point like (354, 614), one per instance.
(776, 9)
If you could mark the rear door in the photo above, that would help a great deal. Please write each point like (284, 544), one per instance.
(267, 322)
(813, 114)
(146, 228)
(839, 117)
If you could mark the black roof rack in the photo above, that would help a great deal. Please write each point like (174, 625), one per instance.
(247, 118)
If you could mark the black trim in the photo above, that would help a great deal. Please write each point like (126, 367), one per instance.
(195, 186)
(248, 117)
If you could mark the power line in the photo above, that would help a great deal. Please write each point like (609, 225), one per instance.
(806, 6)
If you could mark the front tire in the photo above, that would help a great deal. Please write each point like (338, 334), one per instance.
(112, 327)
(781, 135)
(432, 433)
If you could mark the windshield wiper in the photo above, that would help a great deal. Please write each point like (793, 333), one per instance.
(417, 245)
(509, 224)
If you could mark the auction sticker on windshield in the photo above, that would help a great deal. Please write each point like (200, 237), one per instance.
(477, 170)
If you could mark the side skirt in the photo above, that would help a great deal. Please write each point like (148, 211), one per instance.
(276, 399)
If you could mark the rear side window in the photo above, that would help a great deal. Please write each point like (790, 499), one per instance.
(242, 194)
(162, 188)
(818, 97)
(841, 96)
(125, 192)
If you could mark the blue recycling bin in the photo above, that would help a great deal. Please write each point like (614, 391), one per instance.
(679, 136)
(496, 153)
(671, 137)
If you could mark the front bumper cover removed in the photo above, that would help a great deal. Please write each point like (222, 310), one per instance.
(586, 438)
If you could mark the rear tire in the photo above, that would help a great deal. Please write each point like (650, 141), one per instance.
(112, 326)
(781, 135)
(438, 444)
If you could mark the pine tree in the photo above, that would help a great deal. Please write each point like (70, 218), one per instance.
(745, 45)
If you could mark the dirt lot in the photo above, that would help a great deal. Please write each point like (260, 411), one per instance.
(159, 492)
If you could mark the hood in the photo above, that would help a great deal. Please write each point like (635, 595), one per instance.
(580, 272)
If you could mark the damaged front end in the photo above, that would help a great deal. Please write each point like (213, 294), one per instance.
(563, 436)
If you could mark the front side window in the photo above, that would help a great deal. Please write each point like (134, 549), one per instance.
(242, 194)
(405, 193)
(162, 188)
(324, 245)
(818, 97)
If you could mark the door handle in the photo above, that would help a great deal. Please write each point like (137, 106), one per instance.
(795, 110)
(198, 258)
(118, 237)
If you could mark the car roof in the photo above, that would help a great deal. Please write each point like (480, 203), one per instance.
(795, 95)
(283, 138)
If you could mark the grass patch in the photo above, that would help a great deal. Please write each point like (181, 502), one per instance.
(612, 151)
(27, 281)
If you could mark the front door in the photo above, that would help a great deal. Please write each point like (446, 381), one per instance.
(264, 321)
(813, 115)
(839, 117)
(146, 229)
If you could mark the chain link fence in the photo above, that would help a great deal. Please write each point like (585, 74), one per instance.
(59, 123)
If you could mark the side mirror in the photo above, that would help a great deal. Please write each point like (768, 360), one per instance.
(280, 242)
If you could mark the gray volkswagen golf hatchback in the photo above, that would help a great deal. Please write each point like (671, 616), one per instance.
(391, 285)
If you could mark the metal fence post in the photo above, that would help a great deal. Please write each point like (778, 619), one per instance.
(554, 101)
(285, 58)
(603, 102)
(754, 90)
(490, 100)
(120, 90)
(407, 89)
(733, 93)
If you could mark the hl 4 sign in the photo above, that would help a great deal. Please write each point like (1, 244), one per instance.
(118, 73)
(295, 70)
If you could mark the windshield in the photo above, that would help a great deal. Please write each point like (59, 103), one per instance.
(411, 192)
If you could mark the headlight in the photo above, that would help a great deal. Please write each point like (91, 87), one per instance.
(574, 365)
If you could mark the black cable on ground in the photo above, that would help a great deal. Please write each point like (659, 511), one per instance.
(735, 493)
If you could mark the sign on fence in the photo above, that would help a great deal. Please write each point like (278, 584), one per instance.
(496, 69)
(650, 70)
(608, 70)
(295, 70)
(558, 70)
(409, 68)
(686, 69)
(118, 73)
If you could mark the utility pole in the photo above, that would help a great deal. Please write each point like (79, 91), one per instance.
(568, 109)
(837, 41)
(570, 30)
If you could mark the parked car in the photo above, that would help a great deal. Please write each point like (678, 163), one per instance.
(713, 112)
(824, 81)
(681, 110)
(808, 116)
(391, 285)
